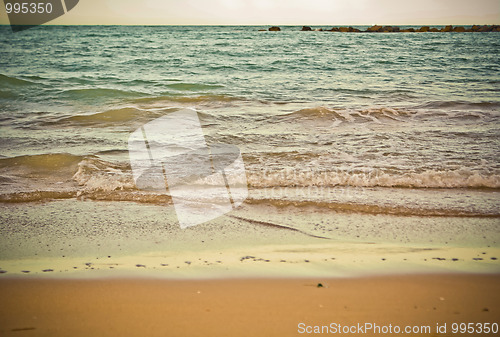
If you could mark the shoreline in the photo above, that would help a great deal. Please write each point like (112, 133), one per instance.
(244, 307)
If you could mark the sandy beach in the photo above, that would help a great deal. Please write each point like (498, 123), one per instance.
(244, 307)
(67, 275)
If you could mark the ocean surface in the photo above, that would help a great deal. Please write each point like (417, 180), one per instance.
(402, 123)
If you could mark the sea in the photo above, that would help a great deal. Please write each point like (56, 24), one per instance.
(400, 124)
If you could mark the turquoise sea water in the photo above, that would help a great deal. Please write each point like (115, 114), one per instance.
(406, 122)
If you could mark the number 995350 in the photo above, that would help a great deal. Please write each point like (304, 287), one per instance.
(474, 328)
(28, 8)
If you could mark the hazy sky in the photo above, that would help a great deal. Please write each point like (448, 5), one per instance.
(282, 12)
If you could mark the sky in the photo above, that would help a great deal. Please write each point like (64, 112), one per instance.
(281, 12)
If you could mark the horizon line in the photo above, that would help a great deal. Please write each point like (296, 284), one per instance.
(257, 25)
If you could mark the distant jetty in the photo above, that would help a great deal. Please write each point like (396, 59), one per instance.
(396, 29)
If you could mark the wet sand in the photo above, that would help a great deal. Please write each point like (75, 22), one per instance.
(75, 239)
(241, 307)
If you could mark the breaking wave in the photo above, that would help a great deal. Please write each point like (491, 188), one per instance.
(383, 114)
(463, 178)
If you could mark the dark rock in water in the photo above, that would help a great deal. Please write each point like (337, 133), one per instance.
(140, 266)
(447, 29)
(423, 29)
(493, 28)
(389, 29)
(3, 271)
(262, 30)
(320, 285)
(347, 30)
(47, 270)
(374, 29)
(396, 29)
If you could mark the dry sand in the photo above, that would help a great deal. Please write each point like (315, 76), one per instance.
(241, 307)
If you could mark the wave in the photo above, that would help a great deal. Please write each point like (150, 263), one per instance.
(63, 176)
(109, 117)
(375, 114)
(95, 93)
(52, 162)
(187, 99)
(460, 105)
(34, 196)
(102, 181)
(94, 173)
(317, 112)
(337, 206)
(13, 82)
(372, 208)
(7, 94)
(193, 86)
(380, 115)
(462, 178)
(92, 178)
